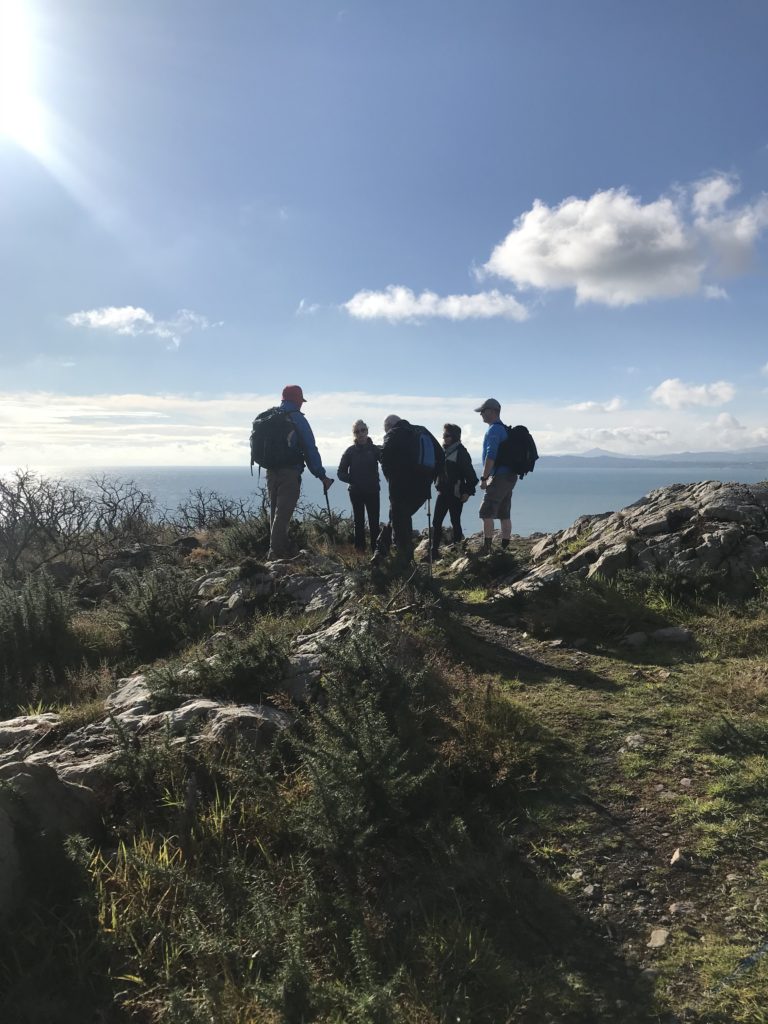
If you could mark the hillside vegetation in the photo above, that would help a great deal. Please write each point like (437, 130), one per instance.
(317, 791)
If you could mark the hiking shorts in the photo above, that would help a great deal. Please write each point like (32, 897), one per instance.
(497, 500)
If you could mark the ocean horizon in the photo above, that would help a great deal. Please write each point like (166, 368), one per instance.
(547, 500)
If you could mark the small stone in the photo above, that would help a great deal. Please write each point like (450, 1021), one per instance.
(577, 875)
(660, 787)
(733, 877)
(650, 973)
(634, 741)
(658, 938)
(678, 859)
(592, 892)
(686, 783)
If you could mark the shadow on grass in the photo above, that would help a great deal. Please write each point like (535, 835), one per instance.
(490, 649)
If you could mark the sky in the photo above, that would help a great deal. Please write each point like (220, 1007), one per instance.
(405, 206)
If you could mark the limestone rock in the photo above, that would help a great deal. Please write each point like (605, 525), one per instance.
(659, 937)
(695, 529)
(672, 635)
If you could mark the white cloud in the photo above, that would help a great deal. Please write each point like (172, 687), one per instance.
(612, 406)
(714, 291)
(134, 320)
(711, 194)
(764, 369)
(305, 308)
(397, 303)
(58, 430)
(675, 394)
(617, 250)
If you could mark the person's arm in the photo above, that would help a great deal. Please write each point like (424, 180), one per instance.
(309, 449)
(385, 454)
(343, 470)
(494, 440)
(439, 458)
(468, 481)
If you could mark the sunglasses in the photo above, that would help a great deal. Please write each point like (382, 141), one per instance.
(359, 431)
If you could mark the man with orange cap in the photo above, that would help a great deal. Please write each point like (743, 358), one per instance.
(284, 482)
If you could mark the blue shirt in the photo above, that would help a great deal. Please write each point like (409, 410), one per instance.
(303, 440)
(494, 435)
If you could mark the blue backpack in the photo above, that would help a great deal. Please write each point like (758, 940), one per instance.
(424, 453)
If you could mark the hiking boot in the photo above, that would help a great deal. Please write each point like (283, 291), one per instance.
(487, 545)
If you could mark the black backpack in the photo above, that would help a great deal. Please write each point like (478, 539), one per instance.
(269, 440)
(517, 451)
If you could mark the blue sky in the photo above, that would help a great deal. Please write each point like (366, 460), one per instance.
(403, 206)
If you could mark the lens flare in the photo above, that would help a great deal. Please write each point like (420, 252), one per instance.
(21, 113)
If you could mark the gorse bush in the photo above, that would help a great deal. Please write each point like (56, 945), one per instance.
(155, 611)
(249, 539)
(366, 755)
(245, 669)
(37, 642)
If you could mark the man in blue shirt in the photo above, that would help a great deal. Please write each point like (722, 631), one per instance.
(496, 481)
(284, 484)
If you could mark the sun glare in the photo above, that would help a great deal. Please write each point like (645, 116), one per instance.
(21, 113)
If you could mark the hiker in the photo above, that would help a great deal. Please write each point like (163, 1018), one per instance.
(455, 486)
(284, 446)
(497, 481)
(412, 460)
(359, 467)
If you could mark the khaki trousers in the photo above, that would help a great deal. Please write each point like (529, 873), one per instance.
(283, 487)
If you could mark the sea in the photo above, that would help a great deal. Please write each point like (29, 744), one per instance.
(548, 499)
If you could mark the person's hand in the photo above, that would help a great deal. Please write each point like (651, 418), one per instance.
(483, 484)
(327, 481)
(464, 497)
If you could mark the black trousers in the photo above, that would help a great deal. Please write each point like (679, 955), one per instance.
(451, 505)
(362, 502)
(403, 503)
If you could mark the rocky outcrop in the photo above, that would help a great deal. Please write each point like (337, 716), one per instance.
(696, 530)
(310, 582)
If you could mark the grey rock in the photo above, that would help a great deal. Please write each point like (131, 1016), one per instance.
(635, 741)
(131, 692)
(659, 937)
(611, 561)
(18, 733)
(635, 640)
(258, 722)
(53, 805)
(672, 635)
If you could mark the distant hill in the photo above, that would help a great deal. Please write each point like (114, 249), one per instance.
(599, 457)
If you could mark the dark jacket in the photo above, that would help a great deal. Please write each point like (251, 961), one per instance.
(398, 463)
(459, 476)
(359, 466)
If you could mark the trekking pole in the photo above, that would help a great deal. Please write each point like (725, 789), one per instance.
(429, 531)
(331, 527)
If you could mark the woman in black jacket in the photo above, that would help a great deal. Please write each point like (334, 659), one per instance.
(359, 467)
(455, 486)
